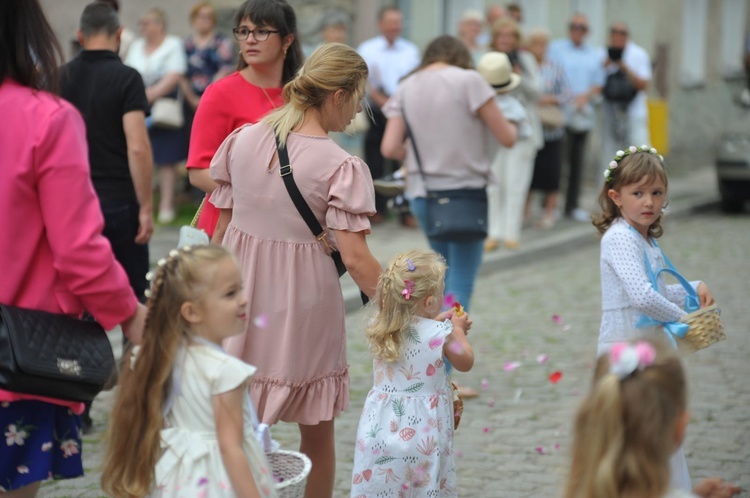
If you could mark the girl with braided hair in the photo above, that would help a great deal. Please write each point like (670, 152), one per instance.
(405, 435)
(182, 423)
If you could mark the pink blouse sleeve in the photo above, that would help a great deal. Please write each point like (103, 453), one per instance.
(72, 218)
(351, 197)
(220, 172)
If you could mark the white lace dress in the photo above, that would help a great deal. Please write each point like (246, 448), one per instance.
(627, 293)
(191, 465)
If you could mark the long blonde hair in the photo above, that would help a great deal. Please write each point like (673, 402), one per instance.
(425, 272)
(633, 168)
(625, 430)
(145, 385)
(331, 67)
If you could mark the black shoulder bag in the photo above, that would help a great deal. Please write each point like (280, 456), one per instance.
(285, 171)
(53, 355)
(458, 215)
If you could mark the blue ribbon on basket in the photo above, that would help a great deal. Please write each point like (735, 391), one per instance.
(675, 329)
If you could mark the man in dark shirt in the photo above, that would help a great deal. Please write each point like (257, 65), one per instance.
(112, 99)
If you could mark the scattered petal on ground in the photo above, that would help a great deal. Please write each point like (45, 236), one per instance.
(511, 365)
(557, 319)
(459, 453)
(486, 430)
(491, 403)
(555, 377)
(261, 321)
(542, 358)
(557, 446)
(539, 449)
(485, 384)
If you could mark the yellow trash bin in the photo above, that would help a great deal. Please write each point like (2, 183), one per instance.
(658, 124)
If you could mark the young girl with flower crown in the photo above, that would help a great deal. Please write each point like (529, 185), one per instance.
(405, 435)
(630, 423)
(632, 198)
(182, 424)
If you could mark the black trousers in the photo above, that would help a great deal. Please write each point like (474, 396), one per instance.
(121, 227)
(374, 159)
(575, 146)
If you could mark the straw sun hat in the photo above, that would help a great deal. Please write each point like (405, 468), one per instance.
(495, 68)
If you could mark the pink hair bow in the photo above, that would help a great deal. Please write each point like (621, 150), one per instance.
(626, 358)
(408, 289)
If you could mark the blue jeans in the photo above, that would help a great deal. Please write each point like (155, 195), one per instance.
(463, 258)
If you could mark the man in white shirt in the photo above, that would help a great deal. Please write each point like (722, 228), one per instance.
(389, 58)
(625, 124)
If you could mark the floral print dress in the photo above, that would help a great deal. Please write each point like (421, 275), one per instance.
(404, 443)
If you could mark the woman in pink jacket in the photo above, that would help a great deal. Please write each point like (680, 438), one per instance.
(52, 254)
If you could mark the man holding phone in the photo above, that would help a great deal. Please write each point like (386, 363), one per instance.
(625, 120)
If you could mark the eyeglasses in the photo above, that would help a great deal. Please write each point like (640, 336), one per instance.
(259, 35)
(578, 27)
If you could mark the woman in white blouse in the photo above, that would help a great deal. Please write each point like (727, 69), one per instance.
(161, 60)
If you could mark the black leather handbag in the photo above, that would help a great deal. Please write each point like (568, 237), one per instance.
(49, 354)
(458, 215)
(619, 88)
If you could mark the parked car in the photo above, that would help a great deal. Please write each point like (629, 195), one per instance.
(733, 170)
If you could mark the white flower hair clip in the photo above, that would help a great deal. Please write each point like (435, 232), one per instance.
(609, 172)
(625, 358)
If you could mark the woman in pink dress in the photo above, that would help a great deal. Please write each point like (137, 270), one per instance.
(296, 334)
(53, 256)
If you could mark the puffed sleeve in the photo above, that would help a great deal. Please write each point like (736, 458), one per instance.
(622, 251)
(220, 172)
(230, 374)
(351, 197)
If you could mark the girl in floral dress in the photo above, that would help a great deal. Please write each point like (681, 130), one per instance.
(182, 425)
(405, 437)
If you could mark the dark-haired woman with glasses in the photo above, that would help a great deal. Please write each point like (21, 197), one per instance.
(270, 54)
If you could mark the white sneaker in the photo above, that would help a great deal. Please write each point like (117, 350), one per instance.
(165, 216)
(745, 97)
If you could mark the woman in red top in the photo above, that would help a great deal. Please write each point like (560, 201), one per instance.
(270, 55)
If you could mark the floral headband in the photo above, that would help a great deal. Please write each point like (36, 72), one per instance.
(625, 358)
(608, 173)
(172, 255)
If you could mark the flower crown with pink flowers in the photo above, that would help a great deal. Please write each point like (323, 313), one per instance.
(608, 173)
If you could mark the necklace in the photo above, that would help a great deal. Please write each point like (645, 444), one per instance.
(273, 104)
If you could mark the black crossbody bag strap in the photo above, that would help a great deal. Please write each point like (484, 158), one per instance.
(285, 171)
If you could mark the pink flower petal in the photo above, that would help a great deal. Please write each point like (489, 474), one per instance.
(557, 446)
(486, 430)
(542, 358)
(491, 403)
(485, 383)
(557, 319)
(459, 453)
(261, 321)
(539, 449)
(511, 365)
(449, 300)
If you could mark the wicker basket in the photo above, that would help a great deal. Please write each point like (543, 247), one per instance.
(290, 470)
(458, 405)
(705, 329)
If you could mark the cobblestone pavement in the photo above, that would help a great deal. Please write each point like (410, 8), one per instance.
(514, 440)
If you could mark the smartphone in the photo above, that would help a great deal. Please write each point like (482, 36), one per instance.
(615, 54)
